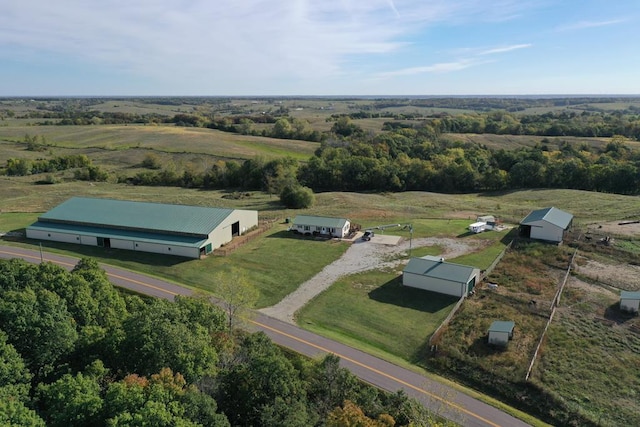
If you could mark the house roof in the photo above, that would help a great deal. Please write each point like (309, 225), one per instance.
(551, 215)
(319, 221)
(440, 269)
(502, 326)
(137, 216)
(630, 295)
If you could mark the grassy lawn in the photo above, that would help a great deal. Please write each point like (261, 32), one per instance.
(276, 262)
(373, 310)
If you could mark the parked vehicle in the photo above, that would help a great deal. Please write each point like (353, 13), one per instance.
(368, 234)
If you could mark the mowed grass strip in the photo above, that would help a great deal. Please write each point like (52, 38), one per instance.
(372, 310)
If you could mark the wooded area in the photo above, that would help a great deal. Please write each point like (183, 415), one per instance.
(74, 351)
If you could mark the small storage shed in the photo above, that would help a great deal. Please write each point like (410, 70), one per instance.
(436, 275)
(500, 332)
(321, 225)
(629, 301)
(547, 224)
(489, 219)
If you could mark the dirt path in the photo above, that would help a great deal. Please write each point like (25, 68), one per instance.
(361, 256)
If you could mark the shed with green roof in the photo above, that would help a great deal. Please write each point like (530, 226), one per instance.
(189, 231)
(501, 331)
(321, 225)
(436, 275)
(547, 224)
(630, 301)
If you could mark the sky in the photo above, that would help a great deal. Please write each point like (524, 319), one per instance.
(319, 47)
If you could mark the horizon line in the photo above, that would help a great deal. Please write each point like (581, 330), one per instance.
(551, 95)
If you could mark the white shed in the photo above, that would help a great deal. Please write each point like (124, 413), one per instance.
(500, 332)
(547, 224)
(436, 275)
(629, 301)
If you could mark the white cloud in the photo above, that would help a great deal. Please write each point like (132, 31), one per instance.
(225, 43)
(589, 24)
(504, 49)
(443, 67)
(471, 60)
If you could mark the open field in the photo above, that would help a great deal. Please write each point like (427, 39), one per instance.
(431, 215)
(160, 138)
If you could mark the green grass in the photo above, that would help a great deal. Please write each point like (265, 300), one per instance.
(16, 221)
(484, 258)
(371, 308)
(161, 138)
(276, 262)
(587, 364)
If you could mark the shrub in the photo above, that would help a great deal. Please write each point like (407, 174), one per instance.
(297, 197)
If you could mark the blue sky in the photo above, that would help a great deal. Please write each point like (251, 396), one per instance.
(319, 47)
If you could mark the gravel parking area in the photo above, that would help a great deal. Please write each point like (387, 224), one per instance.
(361, 256)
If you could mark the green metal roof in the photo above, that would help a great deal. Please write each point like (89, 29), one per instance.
(433, 267)
(319, 221)
(138, 236)
(630, 295)
(502, 326)
(138, 216)
(551, 215)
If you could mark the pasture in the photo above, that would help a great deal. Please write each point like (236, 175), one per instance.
(376, 297)
(588, 367)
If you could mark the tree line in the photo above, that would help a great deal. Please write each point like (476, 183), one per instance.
(23, 167)
(413, 160)
(76, 352)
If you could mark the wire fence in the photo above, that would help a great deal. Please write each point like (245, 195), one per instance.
(554, 304)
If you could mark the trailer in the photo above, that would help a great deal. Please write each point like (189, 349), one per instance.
(478, 227)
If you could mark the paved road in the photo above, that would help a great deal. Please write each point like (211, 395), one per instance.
(440, 398)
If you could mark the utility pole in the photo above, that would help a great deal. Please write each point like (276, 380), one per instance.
(410, 238)
(41, 257)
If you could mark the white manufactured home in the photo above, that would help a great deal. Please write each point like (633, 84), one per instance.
(321, 226)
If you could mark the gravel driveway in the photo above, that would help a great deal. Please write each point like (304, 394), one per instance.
(361, 256)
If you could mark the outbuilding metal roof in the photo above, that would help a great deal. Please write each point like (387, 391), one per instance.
(551, 215)
(319, 221)
(502, 326)
(137, 236)
(440, 269)
(635, 295)
(137, 216)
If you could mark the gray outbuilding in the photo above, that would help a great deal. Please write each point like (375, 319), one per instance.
(629, 301)
(188, 231)
(500, 332)
(547, 224)
(436, 275)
